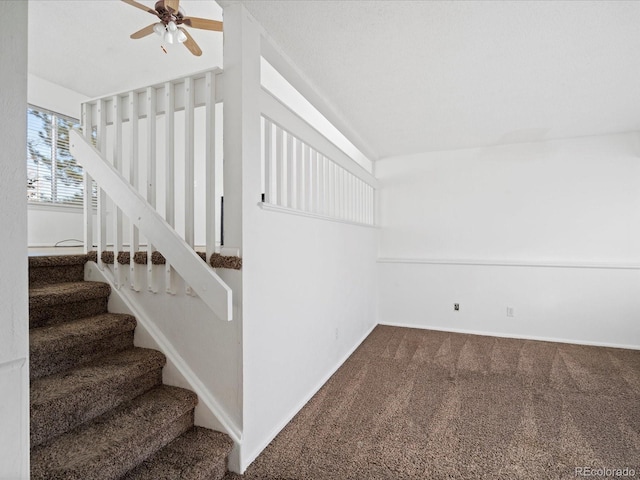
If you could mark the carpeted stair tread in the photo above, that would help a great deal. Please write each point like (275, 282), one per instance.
(198, 454)
(63, 302)
(64, 400)
(109, 446)
(59, 347)
(57, 260)
(67, 292)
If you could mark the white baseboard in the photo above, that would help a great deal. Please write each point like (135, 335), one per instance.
(512, 335)
(248, 459)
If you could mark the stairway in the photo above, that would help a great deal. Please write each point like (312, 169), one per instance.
(99, 409)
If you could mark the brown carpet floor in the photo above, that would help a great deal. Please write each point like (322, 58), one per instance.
(419, 404)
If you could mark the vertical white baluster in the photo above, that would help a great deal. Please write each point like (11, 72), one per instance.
(151, 175)
(317, 181)
(134, 236)
(117, 164)
(308, 190)
(210, 164)
(343, 194)
(169, 132)
(347, 190)
(268, 161)
(291, 184)
(374, 206)
(331, 186)
(352, 197)
(364, 201)
(319, 184)
(189, 172)
(360, 202)
(300, 205)
(370, 205)
(87, 182)
(356, 212)
(188, 163)
(279, 167)
(102, 198)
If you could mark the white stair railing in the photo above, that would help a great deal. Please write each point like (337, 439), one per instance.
(160, 142)
(305, 173)
(204, 281)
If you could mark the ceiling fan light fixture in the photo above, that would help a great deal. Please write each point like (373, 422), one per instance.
(159, 29)
(172, 27)
(169, 37)
(181, 37)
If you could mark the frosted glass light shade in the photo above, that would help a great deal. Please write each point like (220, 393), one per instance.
(159, 29)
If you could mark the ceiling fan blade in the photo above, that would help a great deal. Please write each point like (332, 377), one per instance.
(172, 5)
(203, 23)
(191, 44)
(143, 32)
(133, 3)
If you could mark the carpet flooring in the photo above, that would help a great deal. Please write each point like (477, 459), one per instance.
(419, 404)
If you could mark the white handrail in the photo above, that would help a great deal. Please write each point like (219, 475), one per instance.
(202, 279)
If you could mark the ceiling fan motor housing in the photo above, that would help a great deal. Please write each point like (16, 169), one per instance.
(167, 15)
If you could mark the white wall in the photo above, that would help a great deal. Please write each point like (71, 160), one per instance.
(202, 350)
(14, 321)
(510, 226)
(310, 289)
(49, 225)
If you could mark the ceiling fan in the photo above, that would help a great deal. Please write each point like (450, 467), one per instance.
(172, 18)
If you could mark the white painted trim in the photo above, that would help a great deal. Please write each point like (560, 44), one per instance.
(273, 54)
(285, 118)
(198, 75)
(204, 281)
(510, 263)
(292, 211)
(248, 459)
(55, 207)
(513, 335)
(91, 272)
(13, 364)
(230, 251)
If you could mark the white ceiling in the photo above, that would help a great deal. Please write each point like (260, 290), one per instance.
(414, 76)
(408, 76)
(84, 45)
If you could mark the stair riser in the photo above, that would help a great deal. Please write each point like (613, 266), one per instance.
(199, 454)
(154, 442)
(128, 456)
(48, 362)
(58, 274)
(51, 315)
(50, 420)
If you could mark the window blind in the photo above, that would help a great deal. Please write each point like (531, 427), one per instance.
(53, 176)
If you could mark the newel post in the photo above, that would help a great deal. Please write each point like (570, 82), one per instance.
(242, 167)
(241, 123)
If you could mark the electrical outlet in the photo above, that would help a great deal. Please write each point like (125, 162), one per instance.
(456, 306)
(509, 311)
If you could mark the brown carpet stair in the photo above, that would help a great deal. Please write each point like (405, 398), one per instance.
(98, 406)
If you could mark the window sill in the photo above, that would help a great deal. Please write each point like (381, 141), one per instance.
(55, 207)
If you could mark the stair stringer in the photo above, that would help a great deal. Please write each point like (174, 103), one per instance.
(209, 413)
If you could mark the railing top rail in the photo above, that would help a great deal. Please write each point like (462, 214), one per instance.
(203, 280)
(287, 119)
(195, 76)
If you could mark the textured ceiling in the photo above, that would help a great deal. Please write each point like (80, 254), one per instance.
(408, 76)
(412, 76)
(84, 45)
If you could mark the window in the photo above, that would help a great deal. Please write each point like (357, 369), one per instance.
(53, 176)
